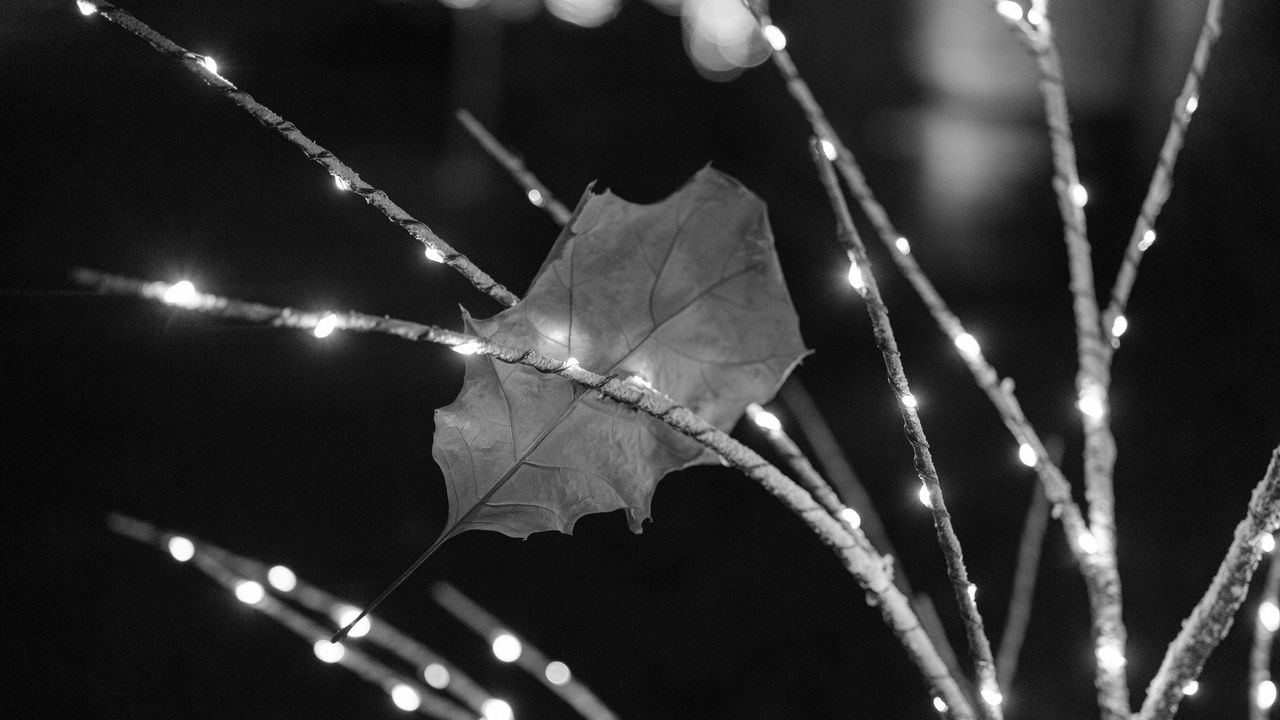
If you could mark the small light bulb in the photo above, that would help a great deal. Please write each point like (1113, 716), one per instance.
(991, 695)
(1265, 695)
(495, 709)
(939, 704)
(1191, 688)
(250, 592)
(1027, 455)
(345, 614)
(405, 697)
(341, 183)
(855, 277)
(1193, 102)
(536, 198)
(910, 401)
(328, 652)
(1267, 542)
(325, 326)
(852, 517)
(766, 420)
(467, 348)
(181, 294)
(1148, 239)
(1034, 16)
(903, 246)
(436, 675)
(1110, 656)
(86, 8)
(1269, 615)
(1087, 542)
(557, 673)
(181, 548)
(1010, 10)
(1079, 195)
(1091, 402)
(209, 64)
(282, 578)
(507, 647)
(776, 39)
(434, 255)
(829, 150)
(639, 381)
(1119, 325)
(572, 362)
(968, 345)
(924, 497)
(973, 592)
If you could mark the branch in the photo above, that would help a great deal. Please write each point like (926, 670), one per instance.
(1024, 587)
(979, 645)
(537, 193)
(347, 178)
(1212, 617)
(871, 571)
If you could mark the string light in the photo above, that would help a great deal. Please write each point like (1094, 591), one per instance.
(536, 198)
(209, 64)
(436, 675)
(1148, 239)
(181, 548)
(1034, 16)
(282, 578)
(972, 590)
(1027, 455)
(903, 246)
(1079, 195)
(250, 592)
(405, 697)
(1267, 542)
(939, 704)
(1264, 695)
(1119, 325)
(1011, 10)
(777, 40)
(909, 400)
(924, 496)
(991, 695)
(968, 345)
(506, 647)
(182, 294)
(852, 517)
(471, 347)
(855, 277)
(495, 709)
(1091, 402)
(766, 420)
(1269, 615)
(341, 183)
(86, 8)
(328, 652)
(1193, 102)
(325, 327)
(829, 150)
(345, 614)
(1191, 688)
(1087, 542)
(434, 255)
(1110, 656)
(557, 673)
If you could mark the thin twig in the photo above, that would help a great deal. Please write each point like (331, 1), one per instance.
(1263, 636)
(535, 191)
(1024, 586)
(348, 178)
(871, 571)
(979, 645)
(1212, 617)
(1162, 179)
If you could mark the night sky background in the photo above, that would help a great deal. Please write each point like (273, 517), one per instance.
(317, 454)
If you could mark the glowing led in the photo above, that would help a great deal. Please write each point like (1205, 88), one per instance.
(1119, 325)
(1110, 656)
(851, 516)
(86, 8)
(991, 695)
(1079, 195)
(434, 255)
(1267, 542)
(1010, 10)
(972, 590)
(1148, 239)
(1269, 615)
(903, 246)
(536, 198)
(506, 647)
(968, 345)
(1034, 16)
(250, 592)
(855, 277)
(1027, 455)
(1193, 102)
(1264, 695)
(346, 614)
(436, 675)
(777, 40)
(557, 673)
(910, 401)
(182, 294)
(467, 348)
(209, 64)
(939, 704)
(1088, 542)
(341, 183)
(1191, 688)
(405, 697)
(181, 548)
(583, 13)
(571, 362)
(924, 497)
(495, 709)
(639, 381)
(282, 578)
(767, 421)
(829, 150)
(326, 325)
(1091, 402)
(328, 652)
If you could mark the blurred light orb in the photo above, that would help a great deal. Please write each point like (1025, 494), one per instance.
(1110, 656)
(903, 246)
(829, 149)
(209, 64)
(282, 578)
(1009, 9)
(325, 327)
(557, 673)
(182, 294)
(345, 614)
(766, 420)
(1193, 102)
(583, 13)
(1119, 325)
(1191, 688)
(181, 548)
(968, 345)
(405, 697)
(328, 652)
(852, 517)
(436, 675)
(1027, 455)
(939, 704)
(1079, 195)
(774, 36)
(1088, 542)
(86, 8)
(856, 280)
(1269, 615)
(434, 255)
(507, 647)
(250, 592)
(536, 198)
(722, 38)
(1148, 239)
(1267, 542)
(495, 709)
(910, 401)
(923, 495)
(341, 183)
(467, 348)
(1265, 695)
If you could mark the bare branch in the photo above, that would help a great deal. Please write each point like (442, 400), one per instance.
(1024, 587)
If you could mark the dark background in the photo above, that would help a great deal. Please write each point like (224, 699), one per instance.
(317, 454)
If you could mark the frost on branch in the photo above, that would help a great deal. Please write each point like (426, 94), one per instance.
(685, 295)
